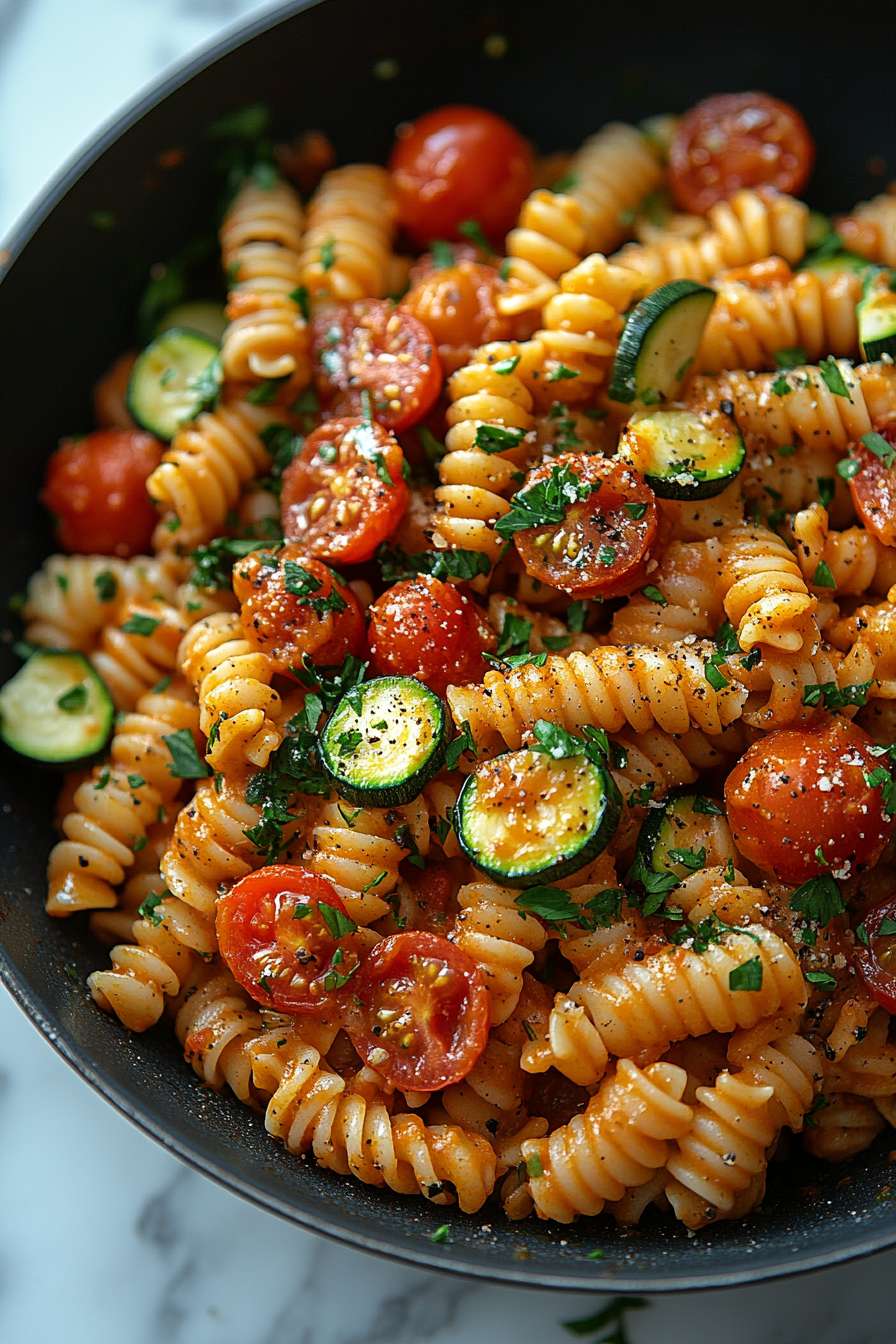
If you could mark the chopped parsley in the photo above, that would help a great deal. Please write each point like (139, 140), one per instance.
(302, 583)
(213, 564)
(848, 467)
(789, 359)
(780, 386)
(823, 578)
(472, 229)
(505, 366)
(747, 976)
(819, 1104)
(821, 980)
(442, 254)
(878, 445)
(576, 615)
(717, 679)
(560, 373)
(825, 491)
(819, 899)
(328, 254)
(395, 564)
(185, 761)
(441, 1234)
(653, 594)
(833, 378)
(106, 585)
(349, 742)
(515, 634)
(300, 297)
(497, 439)
(74, 699)
(460, 744)
(150, 906)
(140, 624)
(265, 392)
(338, 923)
(831, 696)
(283, 445)
(545, 502)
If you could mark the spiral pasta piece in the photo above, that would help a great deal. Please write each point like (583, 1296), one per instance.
(72, 597)
(549, 239)
(687, 581)
(200, 476)
(809, 411)
(359, 850)
(501, 938)
(868, 1067)
(858, 562)
(581, 330)
(765, 595)
(210, 845)
(260, 241)
(846, 1125)
(607, 688)
(870, 229)
(138, 650)
(354, 1133)
(749, 227)
(238, 707)
(617, 1144)
(614, 170)
(766, 309)
(115, 807)
(217, 1023)
(346, 250)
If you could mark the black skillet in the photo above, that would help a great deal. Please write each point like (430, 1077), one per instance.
(67, 307)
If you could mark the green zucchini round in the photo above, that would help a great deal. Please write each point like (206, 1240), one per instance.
(384, 741)
(685, 455)
(173, 379)
(876, 316)
(687, 823)
(525, 819)
(199, 315)
(56, 709)
(659, 341)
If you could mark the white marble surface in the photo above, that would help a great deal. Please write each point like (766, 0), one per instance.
(165, 1255)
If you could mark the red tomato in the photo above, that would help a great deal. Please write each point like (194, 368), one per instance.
(876, 958)
(460, 163)
(459, 306)
(600, 548)
(873, 488)
(427, 629)
(372, 347)
(426, 895)
(278, 942)
(96, 489)
(292, 604)
(797, 794)
(735, 140)
(344, 493)
(423, 1016)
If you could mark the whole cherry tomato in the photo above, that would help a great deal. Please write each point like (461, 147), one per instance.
(601, 545)
(293, 605)
(800, 802)
(456, 164)
(873, 488)
(420, 1011)
(459, 306)
(345, 491)
(875, 952)
(430, 630)
(370, 346)
(287, 939)
(735, 140)
(96, 489)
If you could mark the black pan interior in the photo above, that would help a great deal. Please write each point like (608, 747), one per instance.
(67, 307)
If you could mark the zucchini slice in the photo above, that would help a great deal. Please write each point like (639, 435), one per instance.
(56, 708)
(684, 454)
(837, 261)
(173, 379)
(200, 315)
(384, 740)
(688, 833)
(659, 341)
(525, 819)
(876, 316)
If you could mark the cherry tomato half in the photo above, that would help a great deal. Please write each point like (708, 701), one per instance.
(873, 488)
(460, 163)
(459, 306)
(370, 346)
(287, 939)
(96, 489)
(292, 604)
(427, 629)
(876, 958)
(423, 1017)
(601, 547)
(735, 140)
(345, 492)
(799, 803)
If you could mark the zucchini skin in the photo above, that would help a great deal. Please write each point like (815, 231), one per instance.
(396, 792)
(15, 736)
(145, 389)
(601, 835)
(636, 334)
(674, 485)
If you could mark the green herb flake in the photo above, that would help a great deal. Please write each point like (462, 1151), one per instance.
(823, 578)
(848, 467)
(576, 615)
(636, 511)
(149, 909)
(781, 386)
(534, 1168)
(339, 925)
(505, 366)
(442, 254)
(472, 229)
(441, 1234)
(819, 1103)
(747, 976)
(300, 297)
(879, 446)
(456, 749)
(825, 491)
(106, 586)
(185, 762)
(136, 781)
(826, 983)
(819, 899)
(560, 373)
(545, 502)
(789, 359)
(833, 377)
(328, 254)
(74, 699)
(706, 807)
(139, 624)
(497, 439)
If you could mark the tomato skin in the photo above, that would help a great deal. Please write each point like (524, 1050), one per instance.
(459, 306)
(597, 522)
(369, 346)
(285, 626)
(437, 1031)
(430, 630)
(735, 140)
(797, 790)
(281, 960)
(875, 960)
(334, 500)
(873, 490)
(459, 163)
(96, 489)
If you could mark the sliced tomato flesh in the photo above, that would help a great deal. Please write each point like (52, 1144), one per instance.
(420, 1011)
(285, 934)
(345, 492)
(873, 487)
(600, 547)
(875, 952)
(371, 347)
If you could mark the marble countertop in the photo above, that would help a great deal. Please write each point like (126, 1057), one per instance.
(164, 1254)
